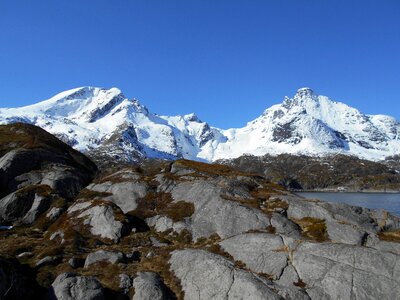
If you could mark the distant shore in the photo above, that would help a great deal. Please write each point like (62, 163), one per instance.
(347, 191)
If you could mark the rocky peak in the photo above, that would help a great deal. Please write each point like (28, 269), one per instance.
(304, 92)
(77, 93)
(192, 118)
(304, 98)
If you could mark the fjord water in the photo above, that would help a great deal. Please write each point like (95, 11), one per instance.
(387, 201)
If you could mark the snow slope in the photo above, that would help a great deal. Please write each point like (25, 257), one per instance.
(104, 122)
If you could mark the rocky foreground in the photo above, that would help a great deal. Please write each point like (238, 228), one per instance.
(177, 230)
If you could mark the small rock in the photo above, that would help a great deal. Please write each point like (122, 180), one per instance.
(54, 213)
(149, 286)
(58, 234)
(102, 220)
(25, 255)
(102, 255)
(150, 254)
(125, 283)
(48, 260)
(163, 223)
(125, 194)
(69, 286)
(157, 243)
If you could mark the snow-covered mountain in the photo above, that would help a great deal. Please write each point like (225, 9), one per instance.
(314, 125)
(103, 122)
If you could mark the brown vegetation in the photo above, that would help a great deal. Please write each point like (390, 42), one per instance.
(390, 236)
(162, 204)
(313, 228)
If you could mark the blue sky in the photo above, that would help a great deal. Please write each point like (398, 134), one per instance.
(225, 60)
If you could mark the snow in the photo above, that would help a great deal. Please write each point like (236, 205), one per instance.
(95, 118)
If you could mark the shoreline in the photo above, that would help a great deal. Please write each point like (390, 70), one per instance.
(347, 191)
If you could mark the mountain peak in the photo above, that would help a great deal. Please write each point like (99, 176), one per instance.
(304, 96)
(304, 92)
(104, 120)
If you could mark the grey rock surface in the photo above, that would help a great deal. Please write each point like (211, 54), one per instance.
(261, 252)
(338, 271)
(32, 159)
(40, 205)
(213, 214)
(23, 167)
(69, 286)
(163, 223)
(101, 219)
(165, 184)
(204, 275)
(123, 194)
(65, 180)
(288, 277)
(125, 283)
(54, 213)
(284, 226)
(25, 254)
(12, 164)
(345, 233)
(103, 223)
(149, 286)
(48, 260)
(15, 205)
(156, 243)
(374, 242)
(102, 255)
(345, 223)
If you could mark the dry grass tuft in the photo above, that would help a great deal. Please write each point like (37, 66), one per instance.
(390, 236)
(300, 284)
(313, 228)
(162, 204)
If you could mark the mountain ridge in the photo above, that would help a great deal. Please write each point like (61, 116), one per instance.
(105, 122)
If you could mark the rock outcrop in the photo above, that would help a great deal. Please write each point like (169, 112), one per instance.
(260, 252)
(122, 188)
(149, 286)
(338, 271)
(205, 276)
(36, 170)
(69, 286)
(106, 256)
